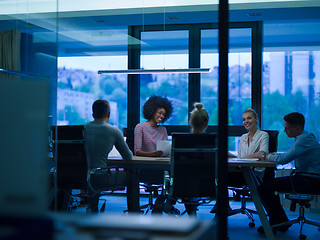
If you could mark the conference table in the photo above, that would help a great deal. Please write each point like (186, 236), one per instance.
(163, 163)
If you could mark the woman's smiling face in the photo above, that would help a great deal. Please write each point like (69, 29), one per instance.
(249, 121)
(159, 115)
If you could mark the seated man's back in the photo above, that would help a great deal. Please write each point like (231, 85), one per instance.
(100, 138)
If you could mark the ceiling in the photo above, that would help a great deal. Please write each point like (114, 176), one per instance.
(104, 31)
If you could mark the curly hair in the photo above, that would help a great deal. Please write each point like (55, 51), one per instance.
(153, 104)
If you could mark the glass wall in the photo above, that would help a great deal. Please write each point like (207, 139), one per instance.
(79, 83)
(28, 70)
(291, 75)
(166, 50)
(240, 77)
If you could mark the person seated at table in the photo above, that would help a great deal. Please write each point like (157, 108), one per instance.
(305, 153)
(146, 134)
(156, 110)
(255, 142)
(100, 138)
(252, 144)
(199, 119)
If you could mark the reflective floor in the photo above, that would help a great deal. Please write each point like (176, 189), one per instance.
(237, 224)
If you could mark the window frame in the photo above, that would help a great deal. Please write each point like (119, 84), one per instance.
(194, 89)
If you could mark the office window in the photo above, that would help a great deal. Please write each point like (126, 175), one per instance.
(169, 50)
(209, 58)
(79, 85)
(240, 78)
(291, 76)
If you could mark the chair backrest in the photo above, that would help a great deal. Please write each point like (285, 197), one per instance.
(193, 159)
(273, 140)
(129, 134)
(70, 156)
(273, 147)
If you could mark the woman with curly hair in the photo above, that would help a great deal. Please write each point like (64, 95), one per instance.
(146, 134)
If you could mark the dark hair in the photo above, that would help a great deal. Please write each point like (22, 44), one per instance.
(100, 108)
(152, 105)
(295, 118)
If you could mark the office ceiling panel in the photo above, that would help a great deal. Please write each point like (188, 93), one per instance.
(105, 31)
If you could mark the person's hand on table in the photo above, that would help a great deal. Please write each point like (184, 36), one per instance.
(260, 154)
(156, 153)
(265, 156)
(149, 154)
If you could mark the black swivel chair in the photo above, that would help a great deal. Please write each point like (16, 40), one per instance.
(72, 171)
(303, 199)
(192, 171)
(244, 192)
(150, 180)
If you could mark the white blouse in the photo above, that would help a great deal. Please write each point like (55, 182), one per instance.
(259, 142)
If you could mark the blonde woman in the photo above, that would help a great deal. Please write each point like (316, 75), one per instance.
(199, 119)
(255, 143)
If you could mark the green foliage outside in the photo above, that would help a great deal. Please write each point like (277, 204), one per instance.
(175, 87)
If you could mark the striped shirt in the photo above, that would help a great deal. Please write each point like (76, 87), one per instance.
(146, 137)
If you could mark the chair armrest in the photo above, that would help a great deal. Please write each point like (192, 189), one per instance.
(305, 173)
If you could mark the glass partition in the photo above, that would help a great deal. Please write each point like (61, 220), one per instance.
(291, 72)
(166, 50)
(240, 78)
(28, 69)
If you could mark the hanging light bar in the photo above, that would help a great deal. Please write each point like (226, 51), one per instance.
(22, 74)
(152, 71)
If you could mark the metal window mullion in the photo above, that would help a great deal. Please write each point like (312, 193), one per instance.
(256, 68)
(194, 62)
(133, 99)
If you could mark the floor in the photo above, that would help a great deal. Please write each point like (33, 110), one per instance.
(237, 224)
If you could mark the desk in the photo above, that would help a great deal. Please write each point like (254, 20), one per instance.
(138, 162)
(133, 227)
(243, 165)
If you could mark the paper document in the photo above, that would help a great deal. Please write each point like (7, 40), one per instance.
(114, 153)
(165, 147)
(232, 154)
(244, 159)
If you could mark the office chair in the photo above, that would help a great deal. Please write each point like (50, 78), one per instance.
(72, 171)
(192, 168)
(244, 193)
(150, 180)
(303, 199)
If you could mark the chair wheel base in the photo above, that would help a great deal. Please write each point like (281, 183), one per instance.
(302, 237)
(252, 224)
